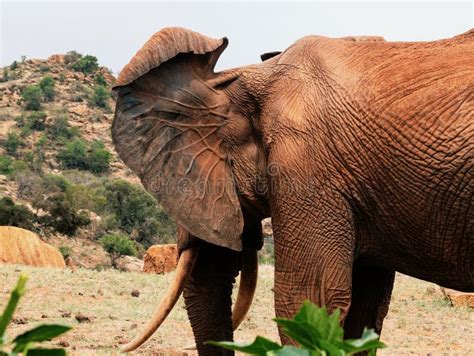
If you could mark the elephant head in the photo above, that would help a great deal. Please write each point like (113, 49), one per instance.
(192, 136)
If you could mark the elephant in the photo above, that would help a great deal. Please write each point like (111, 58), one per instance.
(359, 149)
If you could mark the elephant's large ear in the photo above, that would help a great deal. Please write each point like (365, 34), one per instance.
(169, 115)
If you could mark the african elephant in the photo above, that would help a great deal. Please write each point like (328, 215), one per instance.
(361, 151)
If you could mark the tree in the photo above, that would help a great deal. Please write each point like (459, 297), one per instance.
(47, 87)
(74, 155)
(100, 97)
(61, 215)
(32, 96)
(117, 245)
(137, 211)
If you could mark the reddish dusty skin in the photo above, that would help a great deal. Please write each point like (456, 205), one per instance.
(360, 150)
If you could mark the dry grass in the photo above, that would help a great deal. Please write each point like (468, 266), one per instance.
(419, 321)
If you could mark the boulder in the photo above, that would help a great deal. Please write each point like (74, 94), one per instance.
(130, 264)
(20, 246)
(458, 299)
(161, 259)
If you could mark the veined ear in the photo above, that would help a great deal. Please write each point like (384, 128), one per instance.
(169, 115)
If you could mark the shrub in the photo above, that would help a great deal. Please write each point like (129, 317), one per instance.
(5, 164)
(12, 214)
(12, 143)
(100, 80)
(65, 251)
(44, 69)
(117, 245)
(98, 158)
(62, 216)
(101, 96)
(62, 78)
(87, 64)
(315, 331)
(14, 65)
(137, 211)
(37, 120)
(32, 96)
(25, 342)
(72, 57)
(74, 155)
(5, 75)
(47, 87)
(60, 129)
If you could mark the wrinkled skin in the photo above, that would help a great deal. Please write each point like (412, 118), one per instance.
(361, 151)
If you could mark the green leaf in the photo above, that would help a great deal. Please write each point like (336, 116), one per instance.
(368, 341)
(15, 296)
(292, 351)
(46, 352)
(260, 346)
(303, 333)
(38, 334)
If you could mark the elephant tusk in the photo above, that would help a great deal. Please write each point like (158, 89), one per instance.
(183, 270)
(248, 284)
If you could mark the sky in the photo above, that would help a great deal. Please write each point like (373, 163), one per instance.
(114, 30)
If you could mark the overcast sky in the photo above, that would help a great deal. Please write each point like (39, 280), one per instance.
(114, 31)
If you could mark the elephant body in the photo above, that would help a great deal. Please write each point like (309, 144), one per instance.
(361, 151)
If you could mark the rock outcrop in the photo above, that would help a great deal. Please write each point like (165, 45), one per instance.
(20, 246)
(161, 259)
(458, 299)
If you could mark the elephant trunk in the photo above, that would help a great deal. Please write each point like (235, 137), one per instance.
(183, 270)
(207, 296)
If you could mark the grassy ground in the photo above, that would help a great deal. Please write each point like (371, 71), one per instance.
(419, 322)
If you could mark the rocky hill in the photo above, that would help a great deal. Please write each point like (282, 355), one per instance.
(59, 173)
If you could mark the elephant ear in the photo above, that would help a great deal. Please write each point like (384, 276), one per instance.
(170, 113)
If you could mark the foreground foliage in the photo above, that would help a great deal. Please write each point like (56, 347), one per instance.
(25, 343)
(317, 333)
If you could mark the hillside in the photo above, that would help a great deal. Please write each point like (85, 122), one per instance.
(57, 162)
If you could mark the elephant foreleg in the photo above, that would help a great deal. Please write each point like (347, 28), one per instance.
(207, 296)
(371, 292)
(313, 260)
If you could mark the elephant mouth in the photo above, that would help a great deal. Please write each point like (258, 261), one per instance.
(248, 282)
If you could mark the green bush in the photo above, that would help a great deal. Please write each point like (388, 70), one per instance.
(86, 64)
(100, 80)
(25, 342)
(47, 87)
(101, 96)
(61, 215)
(32, 95)
(12, 214)
(74, 155)
(37, 120)
(316, 332)
(65, 251)
(5, 164)
(12, 143)
(60, 128)
(117, 245)
(98, 158)
(136, 211)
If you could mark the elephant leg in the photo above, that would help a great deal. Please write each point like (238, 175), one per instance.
(313, 260)
(371, 292)
(207, 296)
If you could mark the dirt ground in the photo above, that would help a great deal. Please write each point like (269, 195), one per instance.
(420, 321)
